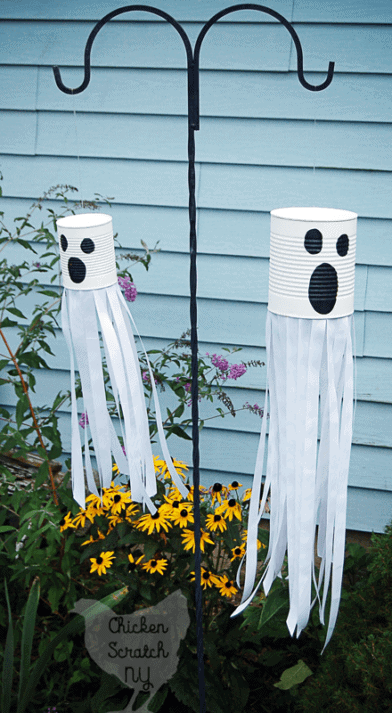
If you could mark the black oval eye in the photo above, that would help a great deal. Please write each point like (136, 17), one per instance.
(313, 241)
(87, 246)
(342, 245)
(64, 242)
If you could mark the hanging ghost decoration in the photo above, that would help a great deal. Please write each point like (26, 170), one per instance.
(92, 296)
(309, 356)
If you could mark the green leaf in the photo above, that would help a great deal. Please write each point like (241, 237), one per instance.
(158, 699)
(16, 312)
(73, 627)
(42, 474)
(178, 431)
(48, 293)
(150, 549)
(26, 244)
(8, 660)
(27, 635)
(277, 601)
(21, 407)
(8, 323)
(6, 528)
(294, 675)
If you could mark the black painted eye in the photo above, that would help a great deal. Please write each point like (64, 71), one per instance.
(342, 245)
(64, 242)
(313, 241)
(87, 246)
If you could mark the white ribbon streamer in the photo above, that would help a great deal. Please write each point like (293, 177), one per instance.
(306, 358)
(78, 310)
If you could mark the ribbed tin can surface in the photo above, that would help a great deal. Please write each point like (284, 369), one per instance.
(87, 253)
(312, 262)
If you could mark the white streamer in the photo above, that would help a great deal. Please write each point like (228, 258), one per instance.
(305, 359)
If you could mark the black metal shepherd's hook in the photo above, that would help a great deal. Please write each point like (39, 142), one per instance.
(193, 125)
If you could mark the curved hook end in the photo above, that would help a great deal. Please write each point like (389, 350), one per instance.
(316, 87)
(67, 90)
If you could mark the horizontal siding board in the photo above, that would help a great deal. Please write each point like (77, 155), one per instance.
(264, 142)
(378, 335)
(352, 11)
(227, 46)
(219, 232)
(379, 288)
(218, 319)
(220, 277)
(18, 132)
(373, 375)
(349, 11)
(356, 97)
(123, 44)
(225, 141)
(18, 88)
(259, 188)
(372, 426)
(229, 187)
(180, 10)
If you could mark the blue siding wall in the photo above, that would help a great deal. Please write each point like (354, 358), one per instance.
(264, 142)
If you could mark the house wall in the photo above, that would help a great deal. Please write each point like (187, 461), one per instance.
(264, 142)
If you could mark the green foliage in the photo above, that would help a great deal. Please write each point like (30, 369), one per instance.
(355, 672)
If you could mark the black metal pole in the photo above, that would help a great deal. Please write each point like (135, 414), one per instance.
(193, 125)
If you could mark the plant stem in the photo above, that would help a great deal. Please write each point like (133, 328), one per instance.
(33, 415)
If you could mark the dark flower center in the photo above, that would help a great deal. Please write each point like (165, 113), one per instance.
(205, 575)
(237, 551)
(228, 585)
(176, 504)
(99, 560)
(184, 512)
(132, 566)
(217, 487)
(232, 502)
(235, 484)
(117, 498)
(155, 516)
(217, 518)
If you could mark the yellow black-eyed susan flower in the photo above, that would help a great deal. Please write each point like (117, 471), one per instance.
(91, 540)
(132, 562)
(188, 537)
(155, 565)
(119, 502)
(101, 563)
(132, 509)
(259, 544)
(215, 522)
(234, 485)
(229, 508)
(226, 586)
(80, 519)
(217, 491)
(247, 495)
(66, 522)
(182, 516)
(154, 522)
(237, 552)
(160, 465)
(113, 521)
(207, 578)
(95, 504)
(171, 502)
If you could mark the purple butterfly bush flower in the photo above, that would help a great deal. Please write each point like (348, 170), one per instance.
(237, 370)
(130, 291)
(83, 420)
